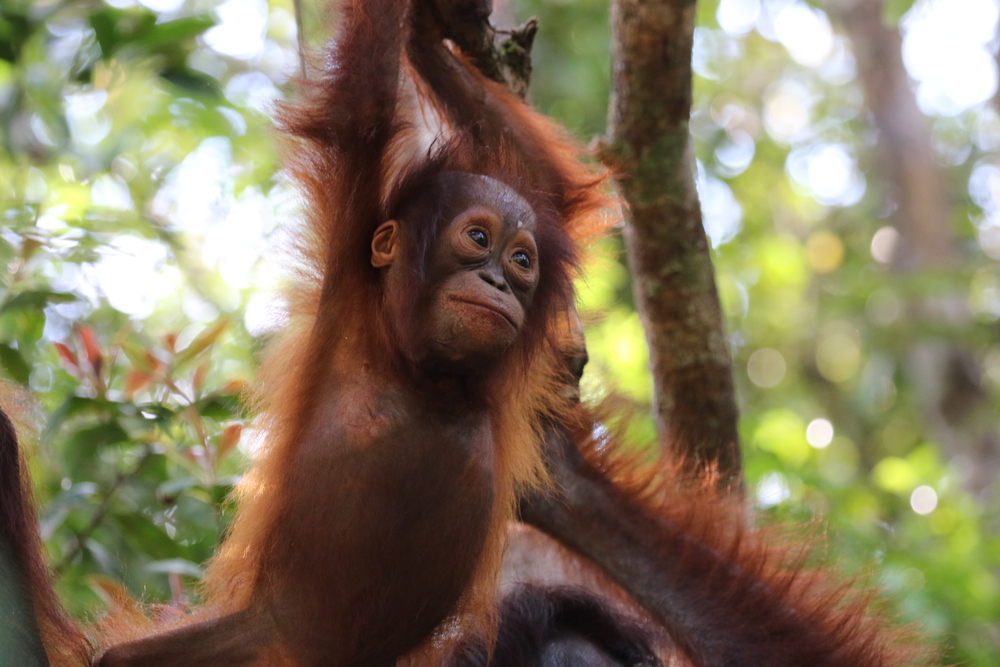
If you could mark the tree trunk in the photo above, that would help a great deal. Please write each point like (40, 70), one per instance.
(649, 151)
(906, 158)
(947, 376)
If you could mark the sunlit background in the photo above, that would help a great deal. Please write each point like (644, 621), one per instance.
(143, 217)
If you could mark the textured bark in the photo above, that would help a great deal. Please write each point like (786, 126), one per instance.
(947, 377)
(649, 150)
(504, 56)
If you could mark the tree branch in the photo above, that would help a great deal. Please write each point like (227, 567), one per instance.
(649, 151)
(504, 56)
(914, 182)
(300, 38)
(102, 510)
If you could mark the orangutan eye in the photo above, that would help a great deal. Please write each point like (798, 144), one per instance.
(479, 237)
(521, 259)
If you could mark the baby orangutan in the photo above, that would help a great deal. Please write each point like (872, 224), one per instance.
(391, 484)
(403, 401)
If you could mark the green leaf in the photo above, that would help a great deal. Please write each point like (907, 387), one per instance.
(82, 447)
(191, 82)
(145, 536)
(27, 325)
(15, 365)
(893, 10)
(170, 33)
(219, 408)
(116, 28)
(14, 32)
(169, 490)
(202, 342)
(161, 414)
(138, 355)
(36, 299)
(222, 490)
(73, 405)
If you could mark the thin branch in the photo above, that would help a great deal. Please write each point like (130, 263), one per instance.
(502, 55)
(102, 510)
(300, 36)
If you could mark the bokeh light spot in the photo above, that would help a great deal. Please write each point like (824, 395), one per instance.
(805, 32)
(883, 306)
(825, 252)
(722, 215)
(948, 49)
(884, 244)
(923, 500)
(772, 489)
(786, 112)
(737, 17)
(819, 433)
(766, 367)
(838, 352)
(895, 474)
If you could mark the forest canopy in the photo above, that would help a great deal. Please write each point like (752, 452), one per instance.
(847, 159)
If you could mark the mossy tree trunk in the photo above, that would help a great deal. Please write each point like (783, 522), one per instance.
(649, 150)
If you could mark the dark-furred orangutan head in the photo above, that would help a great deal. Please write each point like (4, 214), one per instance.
(477, 262)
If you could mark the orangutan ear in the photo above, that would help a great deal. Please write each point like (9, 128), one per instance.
(385, 244)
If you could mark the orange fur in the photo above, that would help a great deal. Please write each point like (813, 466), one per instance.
(740, 594)
(477, 126)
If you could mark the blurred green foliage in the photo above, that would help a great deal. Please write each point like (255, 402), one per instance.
(140, 202)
